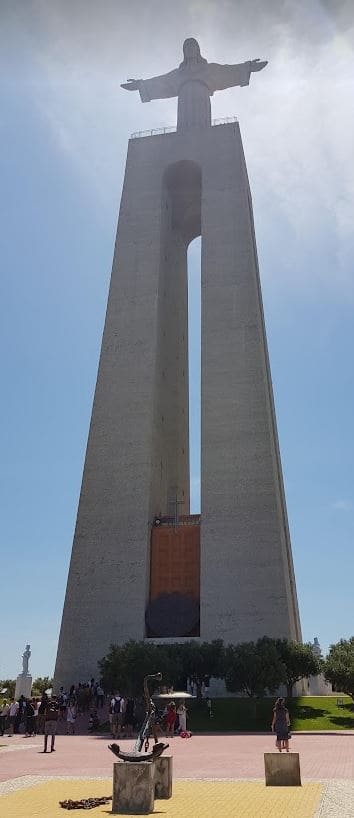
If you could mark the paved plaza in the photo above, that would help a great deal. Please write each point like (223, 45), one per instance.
(219, 775)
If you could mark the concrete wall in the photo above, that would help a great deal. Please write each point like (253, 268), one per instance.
(137, 452)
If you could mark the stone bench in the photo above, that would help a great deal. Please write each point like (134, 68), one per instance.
(282, 769)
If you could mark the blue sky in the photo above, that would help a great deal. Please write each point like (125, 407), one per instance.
(64, 128)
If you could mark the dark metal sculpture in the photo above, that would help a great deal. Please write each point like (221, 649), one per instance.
(148, 726)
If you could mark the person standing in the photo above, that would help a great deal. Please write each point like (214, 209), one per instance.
(29, 718)
(51, 723)
(70, 718)
(171, 719)
(129, 717)
(13, 715)
(80, 699)
(93, 723)
(20, 716)
(182, 715)
(115, 710)
(35, 703)
(41, 713)
(62, 699)
(99, 696)
(121, 720)
(4, 715)
(280, 725)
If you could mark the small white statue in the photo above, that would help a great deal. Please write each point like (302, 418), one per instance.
(316, 647)
(25, 659)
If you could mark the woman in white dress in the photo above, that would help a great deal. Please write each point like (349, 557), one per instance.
(182, 715)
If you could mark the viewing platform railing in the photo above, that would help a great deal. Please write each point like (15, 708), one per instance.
(172, 129)
(182, 519)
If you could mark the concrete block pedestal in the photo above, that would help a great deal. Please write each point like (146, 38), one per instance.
(23, 686)
(133, 788)
(282, 769)
(163, 777)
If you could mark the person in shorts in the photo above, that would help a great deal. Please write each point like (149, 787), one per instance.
(51, 723)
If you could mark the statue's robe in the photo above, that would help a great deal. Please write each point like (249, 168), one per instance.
(194, 84)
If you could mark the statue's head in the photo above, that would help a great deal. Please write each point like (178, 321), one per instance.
(191, 52)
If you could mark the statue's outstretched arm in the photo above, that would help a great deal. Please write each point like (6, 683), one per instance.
(161, 87)
(131, 85)
(221, 77)
(257, 65)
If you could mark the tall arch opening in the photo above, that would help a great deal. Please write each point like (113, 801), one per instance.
(174, 592)
(194, 370)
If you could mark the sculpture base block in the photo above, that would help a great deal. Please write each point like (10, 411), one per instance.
(133, 788)
(23, 686)
(282, 769)
(163, 777)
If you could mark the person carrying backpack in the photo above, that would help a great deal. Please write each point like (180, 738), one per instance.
(51, 722)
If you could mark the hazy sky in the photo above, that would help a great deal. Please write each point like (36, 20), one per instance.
(64, 128)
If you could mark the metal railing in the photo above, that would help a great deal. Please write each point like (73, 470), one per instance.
(172, 521)
(172, 129)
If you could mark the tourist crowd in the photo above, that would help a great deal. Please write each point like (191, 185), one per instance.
(89, 706)
(28, 713)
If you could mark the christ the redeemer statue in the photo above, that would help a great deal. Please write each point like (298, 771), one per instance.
(194, 82)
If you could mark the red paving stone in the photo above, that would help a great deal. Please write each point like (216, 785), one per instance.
(203, 756)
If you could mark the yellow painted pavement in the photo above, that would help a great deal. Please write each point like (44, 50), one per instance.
(197, 799)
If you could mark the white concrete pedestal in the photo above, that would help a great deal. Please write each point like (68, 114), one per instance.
(23, 686)
(163, 777)
(133, 788)
(282, 769)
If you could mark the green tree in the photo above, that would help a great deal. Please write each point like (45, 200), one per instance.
(198, 660)
(10, 685)
(41, 684)
(339, 666)
(299, 661)
(253, 668)
(125, 666)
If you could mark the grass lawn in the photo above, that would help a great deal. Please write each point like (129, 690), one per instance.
(306, 713)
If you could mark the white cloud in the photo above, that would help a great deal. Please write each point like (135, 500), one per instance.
(297, 117)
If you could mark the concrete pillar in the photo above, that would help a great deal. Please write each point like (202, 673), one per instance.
(247, 578)
(163, 777)
(282, 769)
(133, 788)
